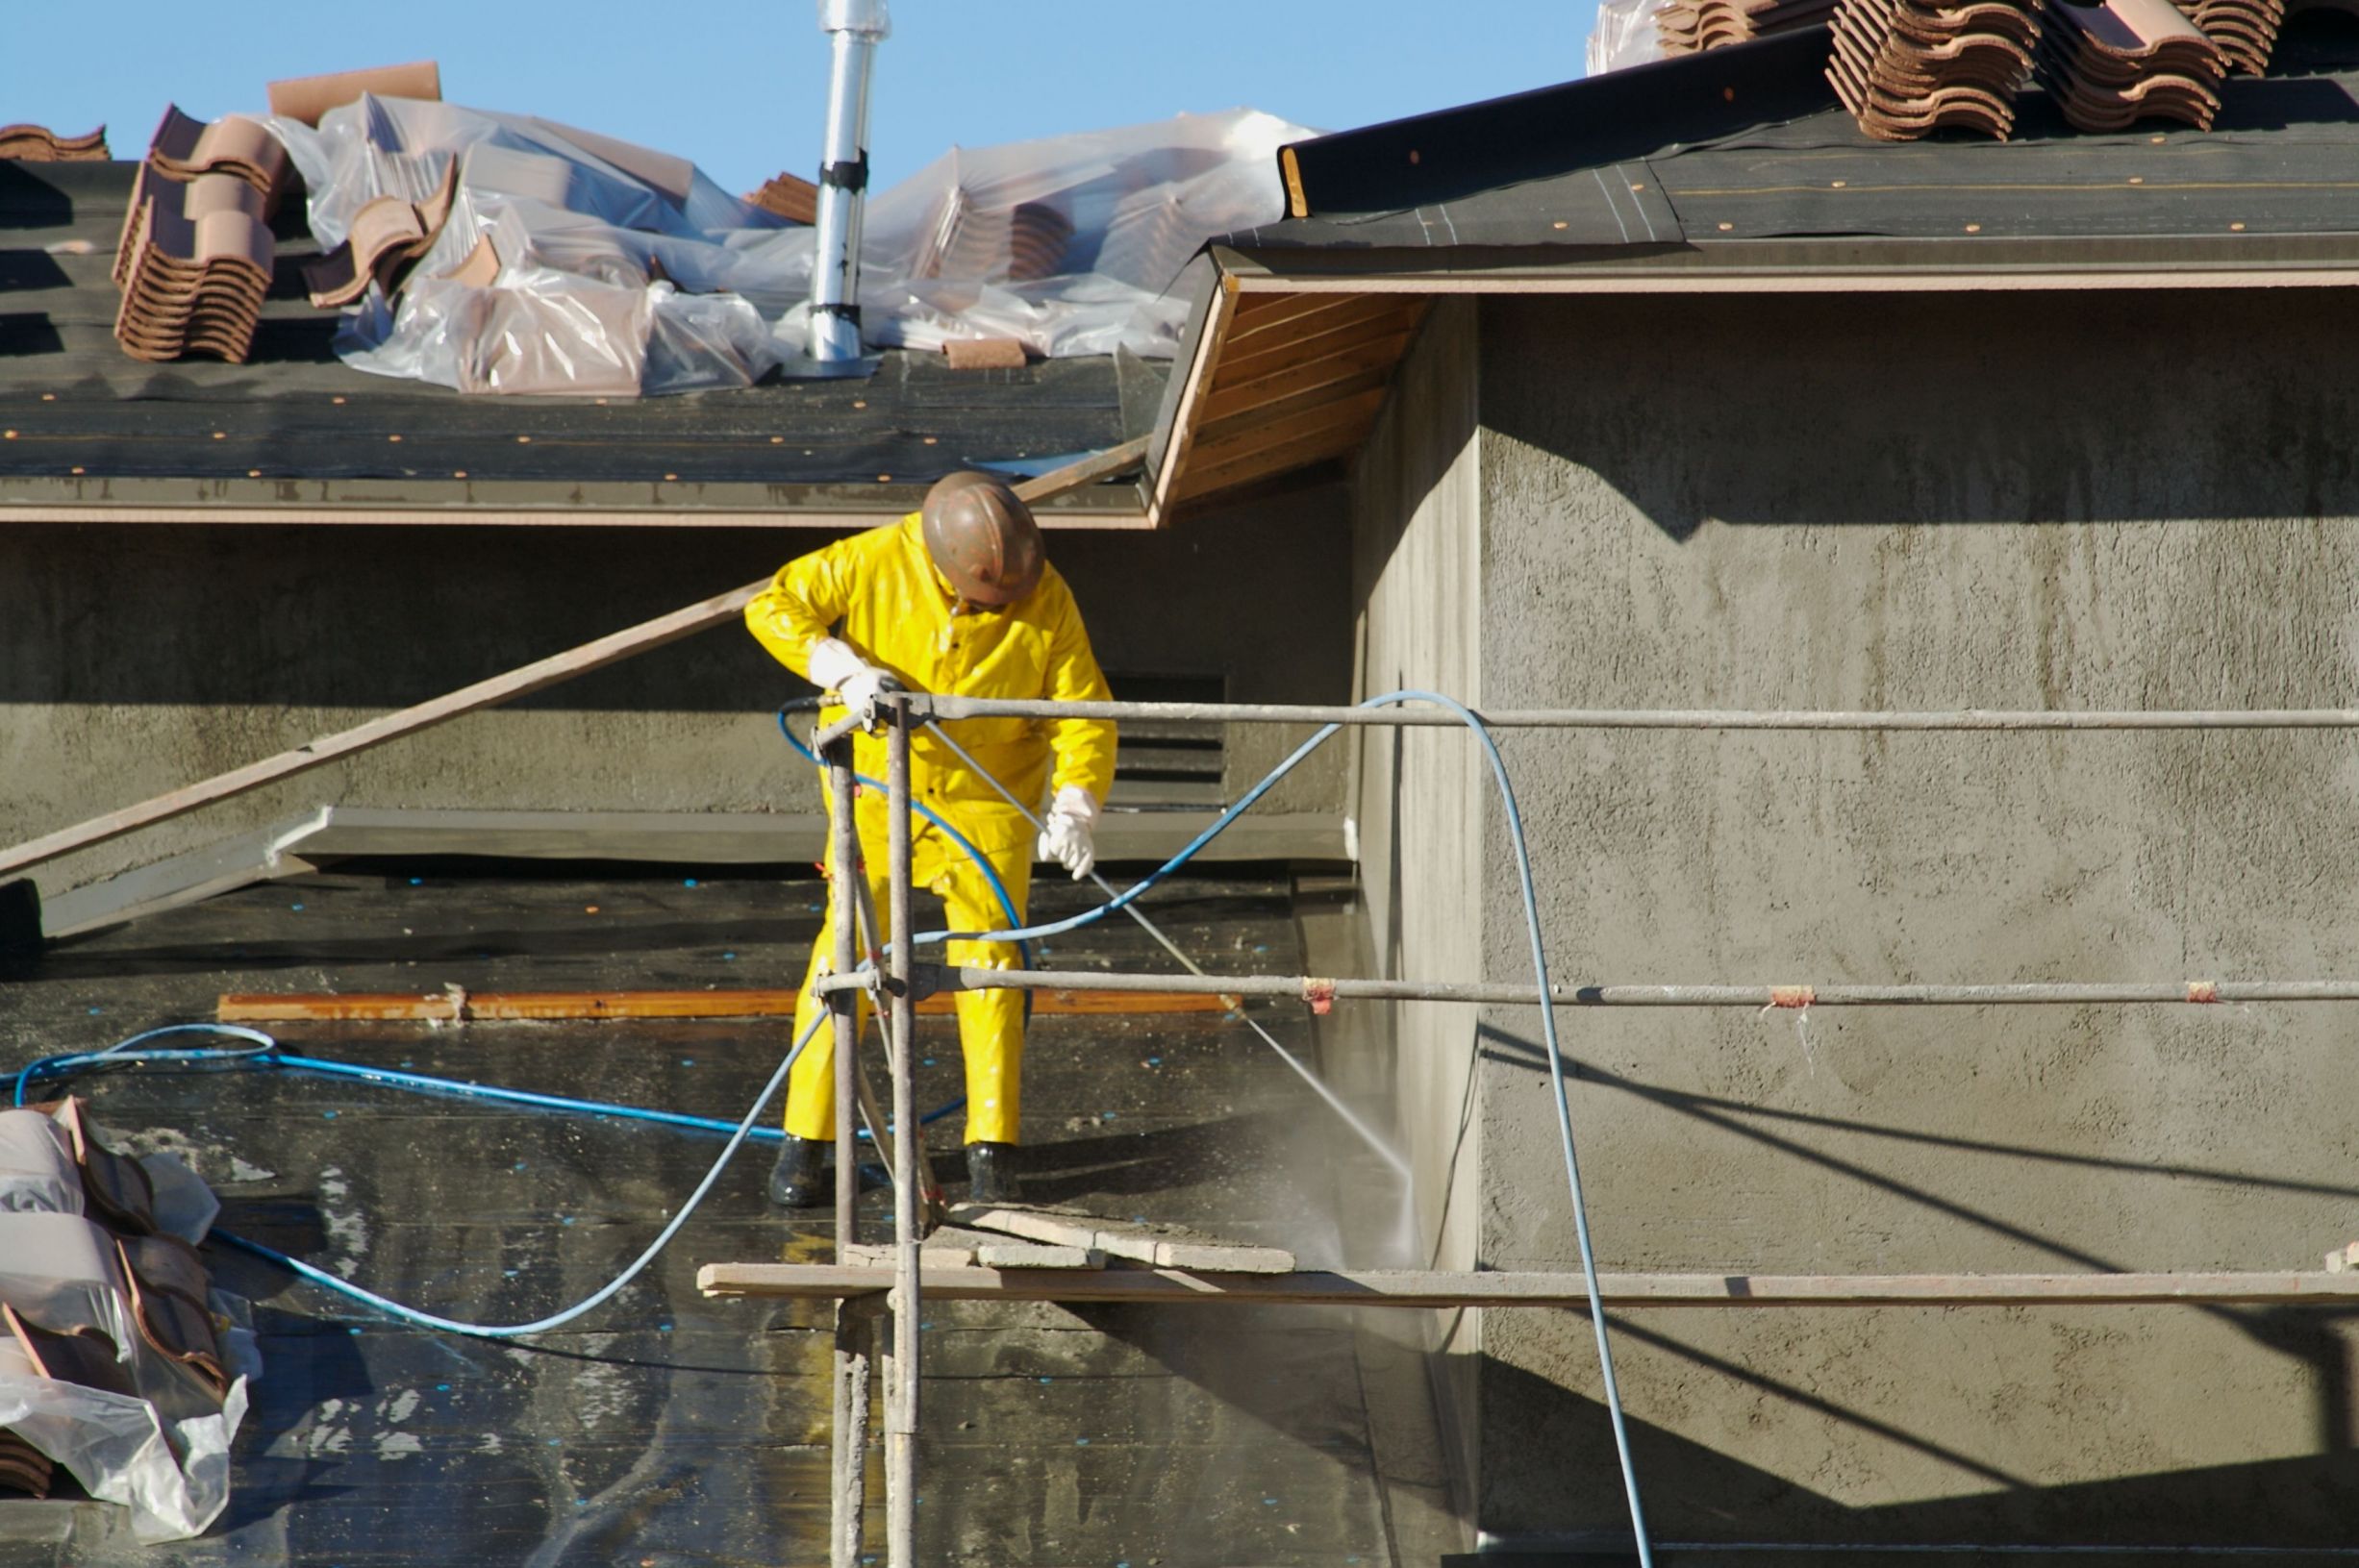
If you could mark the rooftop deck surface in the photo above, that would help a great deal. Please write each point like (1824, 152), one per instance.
(665, 1429)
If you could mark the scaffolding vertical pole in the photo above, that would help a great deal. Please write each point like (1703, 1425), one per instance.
(908, 1148)
(855, 1321)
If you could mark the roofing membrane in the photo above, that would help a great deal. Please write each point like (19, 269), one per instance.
(668, 1427)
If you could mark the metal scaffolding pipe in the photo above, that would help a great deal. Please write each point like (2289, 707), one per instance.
(948, 708)
(855, 1331)
(927, 979)
(901, 1388)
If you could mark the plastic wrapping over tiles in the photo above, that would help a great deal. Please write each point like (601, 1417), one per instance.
(624, 270)
(1624, 33)
(1069, 246)
(118, 1361)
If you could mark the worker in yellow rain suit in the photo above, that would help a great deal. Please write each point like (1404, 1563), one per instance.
(958, 598)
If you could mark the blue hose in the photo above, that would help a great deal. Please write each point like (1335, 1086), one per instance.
(983, 861)
(743, 1129)
(120, 1051)
(268, 1055)
(1547, 1020)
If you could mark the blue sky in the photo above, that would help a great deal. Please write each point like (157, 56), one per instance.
(737, 85)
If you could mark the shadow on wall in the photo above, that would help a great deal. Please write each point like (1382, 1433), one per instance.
(1878, 408)
(381, 617)
(1705, 1495)
(1694, 1494)
(2307, 1334)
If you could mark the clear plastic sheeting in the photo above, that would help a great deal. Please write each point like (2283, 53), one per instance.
(1069, 244)
(624, 270)
(1624, 34)
(155, 1441)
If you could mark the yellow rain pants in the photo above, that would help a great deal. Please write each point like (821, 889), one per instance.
(991, 1023)
(879, 593)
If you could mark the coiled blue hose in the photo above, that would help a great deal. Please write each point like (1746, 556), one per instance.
(120, 1051)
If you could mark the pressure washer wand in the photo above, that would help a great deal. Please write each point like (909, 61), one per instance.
(1236, 1006)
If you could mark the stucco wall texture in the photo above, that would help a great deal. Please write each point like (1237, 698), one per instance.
(135, 661)
(1862, 502)
(1418, 579)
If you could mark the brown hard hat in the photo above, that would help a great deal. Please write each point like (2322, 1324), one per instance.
(981, 538)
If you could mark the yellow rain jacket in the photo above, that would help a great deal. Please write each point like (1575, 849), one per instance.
(879, 593)
(896, 612)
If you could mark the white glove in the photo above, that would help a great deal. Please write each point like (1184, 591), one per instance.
(1067, 838)
(835, 668)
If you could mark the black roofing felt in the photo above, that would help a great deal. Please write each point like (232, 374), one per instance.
(1749, 143)
(77, 403)
(665, 1428)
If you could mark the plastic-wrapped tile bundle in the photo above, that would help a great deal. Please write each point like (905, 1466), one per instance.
(1627, 33)
(624, 270)
(1903, 68)
(2109, 65)
(1069, 246)
(118, 1363)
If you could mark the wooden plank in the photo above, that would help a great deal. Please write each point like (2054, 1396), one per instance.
(1244, 366)
(1248, 436)
(1001, 1254)
(538, 675)
(1215, 478)
(1375, 354)
(1442, 1288)
(1164, 1246)
(1220, 435)
(1306, 315)
(490, 1006)
(1200, 373)
(1323, 433)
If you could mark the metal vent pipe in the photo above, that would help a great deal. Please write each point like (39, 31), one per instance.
(854, 29)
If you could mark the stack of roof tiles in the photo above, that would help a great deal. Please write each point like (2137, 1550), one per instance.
(196, 253)
(39, 145)
(1904, 67)
(787, 196)
(2246, 31)
(1688, 27)
(2109, 65)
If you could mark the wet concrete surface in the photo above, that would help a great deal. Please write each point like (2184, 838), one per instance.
(664, 1429)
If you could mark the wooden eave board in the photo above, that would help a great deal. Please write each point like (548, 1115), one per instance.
(1298, 379)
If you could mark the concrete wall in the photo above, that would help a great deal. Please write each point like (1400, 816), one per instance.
(1417, 579)
(2003, 501)
(137, 659)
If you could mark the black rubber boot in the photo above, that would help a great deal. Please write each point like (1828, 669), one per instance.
(794, 1181)
(991, 1173)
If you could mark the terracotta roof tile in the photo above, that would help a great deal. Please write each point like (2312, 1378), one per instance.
(39, 145)
(787, 196)
(305, 98)
(389, 236)
(2109, 65)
